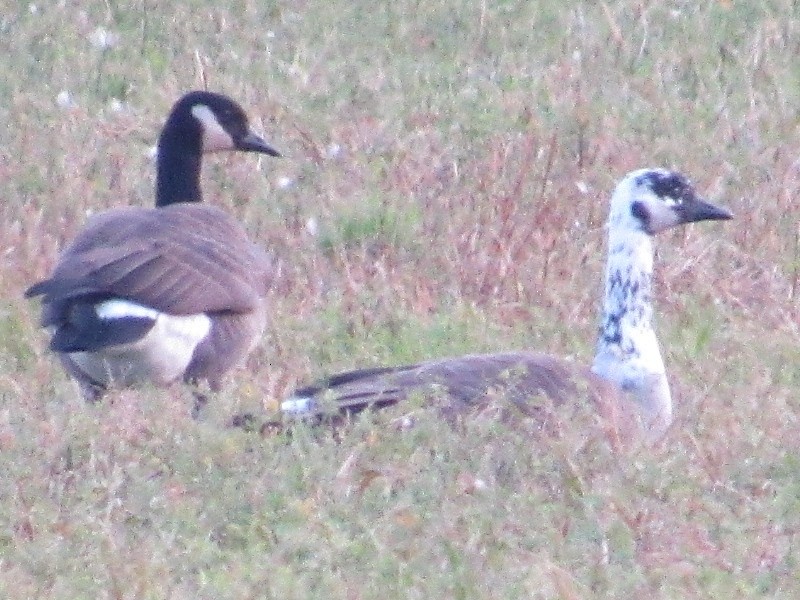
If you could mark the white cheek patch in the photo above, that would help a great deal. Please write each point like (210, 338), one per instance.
(663, 214)
(214, 135)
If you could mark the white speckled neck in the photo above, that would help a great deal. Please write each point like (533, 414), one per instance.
(627, 348)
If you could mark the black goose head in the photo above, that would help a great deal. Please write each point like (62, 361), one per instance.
(198, 123)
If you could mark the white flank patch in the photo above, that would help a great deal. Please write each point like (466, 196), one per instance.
(214, 135)
(161, 356)
(120, 309)
(186, 331)
(172, 336)
(298, 406)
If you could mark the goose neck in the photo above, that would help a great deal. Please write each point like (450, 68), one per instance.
(627, 349)
(178, 170)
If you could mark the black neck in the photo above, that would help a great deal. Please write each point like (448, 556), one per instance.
(178, 178)
(178, 166)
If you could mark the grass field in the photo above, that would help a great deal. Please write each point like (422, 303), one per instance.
(445, 181)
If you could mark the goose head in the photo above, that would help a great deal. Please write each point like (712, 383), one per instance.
(653, 200)
(208, 122)
(644, 203)
(200, 122)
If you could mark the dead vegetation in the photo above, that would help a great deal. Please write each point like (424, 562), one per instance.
(444, 191)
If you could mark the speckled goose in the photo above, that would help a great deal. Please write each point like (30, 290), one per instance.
(628, 364)
(174, 292)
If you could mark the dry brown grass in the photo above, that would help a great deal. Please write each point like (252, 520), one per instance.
(457, 161)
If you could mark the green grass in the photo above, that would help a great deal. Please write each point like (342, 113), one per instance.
(440, 149)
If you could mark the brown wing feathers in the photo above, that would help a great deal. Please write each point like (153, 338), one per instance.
(533, 383)
(184, 265)
(465, 380)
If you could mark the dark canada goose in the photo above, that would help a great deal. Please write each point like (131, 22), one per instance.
(628, 362)
(166, 293)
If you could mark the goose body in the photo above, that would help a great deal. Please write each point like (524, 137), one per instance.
(175, 292)
(627, 365)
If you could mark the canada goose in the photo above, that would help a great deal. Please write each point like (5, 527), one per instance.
(628, 361)
(165, 293)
